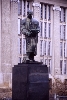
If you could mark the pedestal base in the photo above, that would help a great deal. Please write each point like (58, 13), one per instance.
(30, 82)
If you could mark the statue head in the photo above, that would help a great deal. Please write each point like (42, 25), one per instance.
(29, 14)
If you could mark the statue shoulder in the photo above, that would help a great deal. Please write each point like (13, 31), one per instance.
(22, 22)
(35, 21)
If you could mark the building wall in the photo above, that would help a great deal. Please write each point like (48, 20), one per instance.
(8, 41)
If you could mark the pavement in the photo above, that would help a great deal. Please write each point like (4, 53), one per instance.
(6, 98)
(5, 94)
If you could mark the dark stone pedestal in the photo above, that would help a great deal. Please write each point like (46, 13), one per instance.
(30, 82)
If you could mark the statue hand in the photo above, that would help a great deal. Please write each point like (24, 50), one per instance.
(28, 33)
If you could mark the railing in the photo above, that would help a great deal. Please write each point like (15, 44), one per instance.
(61, 97)
(57, 97)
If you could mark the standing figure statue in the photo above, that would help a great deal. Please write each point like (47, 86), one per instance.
(30, 28)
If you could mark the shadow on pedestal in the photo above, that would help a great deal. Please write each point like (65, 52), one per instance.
(30, 81)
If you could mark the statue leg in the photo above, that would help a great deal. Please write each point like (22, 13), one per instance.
(27, 56)
(31, 56)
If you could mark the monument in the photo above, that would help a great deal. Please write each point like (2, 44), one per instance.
(30, 79)
(30, 28)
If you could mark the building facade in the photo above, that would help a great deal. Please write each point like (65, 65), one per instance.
(52, 39)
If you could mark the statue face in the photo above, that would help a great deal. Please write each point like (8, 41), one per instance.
(29, 14)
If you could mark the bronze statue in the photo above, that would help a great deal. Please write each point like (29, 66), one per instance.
(30, 28)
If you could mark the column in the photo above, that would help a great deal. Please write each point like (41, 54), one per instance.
(52, 39)
(14, 32)
(6, 67)
(56, 40)
(0, 35)
(66, 40)
(36, 8)
(1, 75)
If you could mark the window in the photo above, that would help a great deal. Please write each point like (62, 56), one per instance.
(61, 35)
(49, 12)
(45, 48)
(25, 5)
(24, 46)
(61, 49)
(45, 61)
(28, 5)
(19, 7)
(49, 47)
(45, 11)
(24, 8)
(64, 49)
(49, 29)
(61, 66)
(20, 60)
(18, 26)
(41, 31)
(62, 15)
(20, 45)
(64, 32)
(41, 47)
(64, 66)
(45, 29)
(49, 65)
(41, 11)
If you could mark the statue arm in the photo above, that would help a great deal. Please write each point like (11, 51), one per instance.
(36, 30)
(25, 31)
(23, 28)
